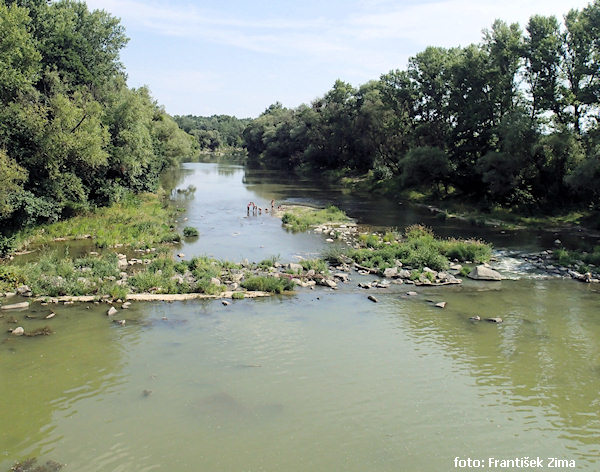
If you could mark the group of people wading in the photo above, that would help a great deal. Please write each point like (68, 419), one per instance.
(258, 210)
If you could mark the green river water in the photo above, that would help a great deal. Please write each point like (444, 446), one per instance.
(320, 380)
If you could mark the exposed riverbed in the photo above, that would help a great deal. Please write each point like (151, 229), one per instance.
(320, 380)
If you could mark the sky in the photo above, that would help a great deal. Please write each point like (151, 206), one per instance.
(205, 57)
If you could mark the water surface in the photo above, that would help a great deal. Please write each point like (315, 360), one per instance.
(319, 380)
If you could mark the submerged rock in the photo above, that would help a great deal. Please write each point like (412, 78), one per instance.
(494, 320)
(372, 298)
(112, 311)
(482, 272)
(15, 306)
(19, 331)
(440, 305)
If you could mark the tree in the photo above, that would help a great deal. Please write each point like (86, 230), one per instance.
(581, 63)
(542, 71)
(19, 58)
(12, 177)
(424, 167)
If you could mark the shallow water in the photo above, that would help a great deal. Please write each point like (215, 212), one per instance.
(319, 380)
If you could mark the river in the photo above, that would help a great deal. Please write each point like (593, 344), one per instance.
(320, 380)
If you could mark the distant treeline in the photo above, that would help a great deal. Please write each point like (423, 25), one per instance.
(72, 134)
(214, 132)
(513, 120)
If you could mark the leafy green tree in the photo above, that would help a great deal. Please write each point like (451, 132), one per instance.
(581, 64)
(424, 167)
(83, 45)
(542, 53)
(12, 177)
(19, 58)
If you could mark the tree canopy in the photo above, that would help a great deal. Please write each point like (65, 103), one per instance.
(72, 134)
(513, 120)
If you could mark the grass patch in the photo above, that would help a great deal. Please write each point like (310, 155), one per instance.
(299, 218)
(268, 284)
(418, 249)
(580, 260)
(318, 265)
(139, 221)
(238, 296)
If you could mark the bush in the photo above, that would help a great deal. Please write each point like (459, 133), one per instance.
(318, 265)
(238, 296)
(268, 284)
(190, 232)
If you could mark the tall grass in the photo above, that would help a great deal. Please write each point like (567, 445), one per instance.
(301, 218)
(419, 248)
(140, 221)
(268, 284)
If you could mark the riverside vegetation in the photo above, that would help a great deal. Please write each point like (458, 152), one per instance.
(510, 122)
(148, 266)
(73, 136)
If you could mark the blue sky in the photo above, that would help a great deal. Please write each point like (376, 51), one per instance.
(237, 57)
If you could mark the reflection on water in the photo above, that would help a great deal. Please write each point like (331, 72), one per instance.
(320, 380)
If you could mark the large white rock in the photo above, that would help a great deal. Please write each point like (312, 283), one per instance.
(482, 272)
(18, 331)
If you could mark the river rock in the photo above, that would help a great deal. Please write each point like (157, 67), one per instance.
(225, 303)
(19, 331)
(15, 306)
(295, 267)
(475, 318)
(390, 272)
(372, 298)
(404, 274)
(126, 305)
(23, 289)
(441, 305)
(112, 311)
(120, 322)
(342, 276)
(411, 294)
(482, 272)
(494, 320)
(215, 281)
(50, 316)
(364, 285)
(329, 283)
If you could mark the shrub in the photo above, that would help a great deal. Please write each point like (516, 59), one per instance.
(318, 265)
(190, 232)
(238, 296)
(268, 284)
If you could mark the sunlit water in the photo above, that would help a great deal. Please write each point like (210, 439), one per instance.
(319, 380)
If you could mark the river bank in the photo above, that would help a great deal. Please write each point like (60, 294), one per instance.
(474, 213)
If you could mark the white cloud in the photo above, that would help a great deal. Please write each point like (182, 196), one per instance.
(364, 39)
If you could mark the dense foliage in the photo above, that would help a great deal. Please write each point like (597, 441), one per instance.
(72, 134)
(214, 132)
(513, 120)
